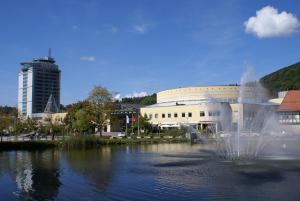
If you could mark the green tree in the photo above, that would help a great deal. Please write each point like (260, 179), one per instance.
(28, 125)
(145, 125)
(82, 121)
(5, 123)
(101, 107)
(70, 120)
(146, 100)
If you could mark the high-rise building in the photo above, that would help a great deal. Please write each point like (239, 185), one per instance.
(39, 87)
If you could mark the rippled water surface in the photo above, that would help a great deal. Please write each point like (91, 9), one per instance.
(150, 172)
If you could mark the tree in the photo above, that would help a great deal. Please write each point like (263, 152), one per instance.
(70, 120)
(8, 115)
(148, 100)
(51, 126)
(30, 125)
(101, 107)
(144, 124)
(5, 122)
(82, 121)
(145, 100)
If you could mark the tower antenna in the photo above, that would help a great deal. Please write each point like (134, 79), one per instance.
(49, 53)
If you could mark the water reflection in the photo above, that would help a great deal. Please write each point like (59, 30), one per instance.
(36, 173)
(95, 165)
(226, 180)
(148, 172)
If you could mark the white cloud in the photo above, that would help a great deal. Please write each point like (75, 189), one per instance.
(136, 94)
(117, 97)
(141, 28)
(268, 22)
(88, 58)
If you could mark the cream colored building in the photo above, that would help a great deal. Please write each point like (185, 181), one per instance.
(226, 93)
(56, 118)
(209, 108)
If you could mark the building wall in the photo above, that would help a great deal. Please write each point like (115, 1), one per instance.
(29, 92)
(277, 101)
(225, 93)
(58, 118)
(20, 93)
(38, 79)
(213, 113)
(46, 82)
(25, 92)
(235, 112)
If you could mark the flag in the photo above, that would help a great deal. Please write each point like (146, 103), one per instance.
(127, 119)
(139, 118)
(132, 119)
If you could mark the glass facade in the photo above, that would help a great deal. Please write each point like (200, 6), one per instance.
(37, 88)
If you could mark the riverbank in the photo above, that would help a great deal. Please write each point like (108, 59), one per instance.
(27, 145)
(83, 142)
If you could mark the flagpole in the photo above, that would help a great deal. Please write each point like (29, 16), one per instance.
(138, 125)
(126, 126)
(132, 121)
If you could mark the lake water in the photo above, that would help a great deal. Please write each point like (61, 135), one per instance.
(148, 172)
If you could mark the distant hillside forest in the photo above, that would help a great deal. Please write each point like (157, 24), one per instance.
(143, 101)
(287, 78)
(8, 111)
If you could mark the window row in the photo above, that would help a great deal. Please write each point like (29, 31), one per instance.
(289, 117)
(183, 114)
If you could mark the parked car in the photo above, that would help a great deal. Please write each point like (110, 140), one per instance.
(121, 134)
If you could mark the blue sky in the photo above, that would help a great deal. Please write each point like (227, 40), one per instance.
(145, 45)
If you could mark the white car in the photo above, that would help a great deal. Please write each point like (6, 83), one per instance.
(121, 134)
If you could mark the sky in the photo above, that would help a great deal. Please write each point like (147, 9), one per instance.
(140, 47)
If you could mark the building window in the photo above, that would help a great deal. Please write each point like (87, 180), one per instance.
(214, 113)
(156, 116)
(190, 114)
(163, 115)
(169, 115)
(175, 115)
(183, 114)
(150, 116)
(202, 113)
(289, 117)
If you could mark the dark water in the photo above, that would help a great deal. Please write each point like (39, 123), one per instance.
(150, 172)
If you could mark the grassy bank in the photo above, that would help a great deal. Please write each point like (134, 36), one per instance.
(93, 141)
(84, 142)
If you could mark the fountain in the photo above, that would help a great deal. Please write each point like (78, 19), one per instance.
(256, 122)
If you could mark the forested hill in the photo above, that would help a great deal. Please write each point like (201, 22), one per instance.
(10, 111)
(143, 101)
(287, 78)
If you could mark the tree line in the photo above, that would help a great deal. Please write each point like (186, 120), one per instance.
(87, 116)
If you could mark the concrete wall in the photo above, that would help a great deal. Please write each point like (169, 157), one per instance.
(156, 114)
(227, 93)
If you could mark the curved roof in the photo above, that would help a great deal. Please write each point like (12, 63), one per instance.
(220, 92)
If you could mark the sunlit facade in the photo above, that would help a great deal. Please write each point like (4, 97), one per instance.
(209, 108)
(39, 85)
